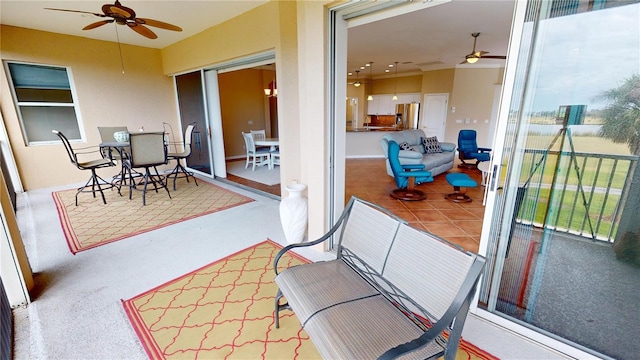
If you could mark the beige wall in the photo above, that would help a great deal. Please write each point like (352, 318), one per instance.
(142, 96)
(405, 84)
(253, 32)
(242, 101)
(472, 96)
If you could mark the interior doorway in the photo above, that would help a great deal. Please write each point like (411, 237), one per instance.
(434, 116)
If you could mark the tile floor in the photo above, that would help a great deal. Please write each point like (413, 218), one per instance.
(460, 223)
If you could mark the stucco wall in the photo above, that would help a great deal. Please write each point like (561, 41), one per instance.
(142, 96)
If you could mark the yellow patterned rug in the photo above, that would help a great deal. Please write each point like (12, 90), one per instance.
(224, 310)
(91, 223)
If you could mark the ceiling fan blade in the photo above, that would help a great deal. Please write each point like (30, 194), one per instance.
(142, 30)
(479, 53)
(78, 11)
(158, 24)
(494, 57)
(97, 24)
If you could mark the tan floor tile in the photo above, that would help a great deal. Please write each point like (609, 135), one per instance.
(458, 214)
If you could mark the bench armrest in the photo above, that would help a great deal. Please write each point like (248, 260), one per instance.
(324, 237)
(452, 320)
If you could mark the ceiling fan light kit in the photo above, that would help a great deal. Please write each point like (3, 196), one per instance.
(474, 56)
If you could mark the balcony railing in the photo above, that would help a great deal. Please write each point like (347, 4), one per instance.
(587, 194)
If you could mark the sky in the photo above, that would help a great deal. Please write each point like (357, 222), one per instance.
(580, 56)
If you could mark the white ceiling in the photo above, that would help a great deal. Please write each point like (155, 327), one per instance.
(434, 38)
(437, 37)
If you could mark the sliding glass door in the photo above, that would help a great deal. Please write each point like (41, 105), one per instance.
(564, 238)
(191, 104)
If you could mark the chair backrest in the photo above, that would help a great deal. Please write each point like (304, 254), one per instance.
(147, 149)
(188, 133)
(394, 163)
(106, 132)
(467, 142)
(248, 142)
(258, 134)
(67, 146)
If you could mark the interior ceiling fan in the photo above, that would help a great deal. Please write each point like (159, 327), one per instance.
(474, 56)
(123, 15)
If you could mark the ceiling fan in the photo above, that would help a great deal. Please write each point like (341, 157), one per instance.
(474, 56)
(123, 15)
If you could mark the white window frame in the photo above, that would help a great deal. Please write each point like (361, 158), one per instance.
(20, 104)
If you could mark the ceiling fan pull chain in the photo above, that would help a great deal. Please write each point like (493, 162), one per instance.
(119, 47)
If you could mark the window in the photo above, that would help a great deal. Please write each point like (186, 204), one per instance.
(44, 101)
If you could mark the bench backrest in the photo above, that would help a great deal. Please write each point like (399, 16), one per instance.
(420, 271)
(368, 234)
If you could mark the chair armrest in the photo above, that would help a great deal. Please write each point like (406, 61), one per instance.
(409, 154)
(484, 149)
(413, 166)
(415, 174)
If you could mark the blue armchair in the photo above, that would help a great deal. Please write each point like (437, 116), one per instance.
(407, 176)
(468, 149)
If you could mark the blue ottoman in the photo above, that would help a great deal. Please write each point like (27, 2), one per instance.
(459, 180)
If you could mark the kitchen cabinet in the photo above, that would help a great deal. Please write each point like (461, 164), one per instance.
(383, 104)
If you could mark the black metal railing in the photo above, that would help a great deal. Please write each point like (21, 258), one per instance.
(574, 192)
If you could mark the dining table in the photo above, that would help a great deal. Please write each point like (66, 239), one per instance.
(272, 142)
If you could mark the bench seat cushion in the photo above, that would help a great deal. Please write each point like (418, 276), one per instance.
(365, 329)
(313, 287)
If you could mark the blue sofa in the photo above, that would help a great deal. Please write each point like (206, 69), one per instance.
(436, 163)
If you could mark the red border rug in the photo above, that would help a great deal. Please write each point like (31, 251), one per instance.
(225, 310)
(91, 223)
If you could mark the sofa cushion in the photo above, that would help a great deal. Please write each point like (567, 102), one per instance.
(431, 145)
(436, 159)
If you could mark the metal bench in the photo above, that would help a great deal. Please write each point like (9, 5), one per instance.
(392, 290)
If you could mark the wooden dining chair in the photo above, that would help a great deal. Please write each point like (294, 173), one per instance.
(259, 135)
(255, 156)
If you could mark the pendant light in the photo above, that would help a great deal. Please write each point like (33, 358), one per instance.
(272, 89)
(395, 85)
(370, 97)
(357, 83)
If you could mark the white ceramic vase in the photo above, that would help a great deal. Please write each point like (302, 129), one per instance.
(293, 213)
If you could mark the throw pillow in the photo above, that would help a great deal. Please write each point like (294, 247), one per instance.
(431, 145)
(405, 146)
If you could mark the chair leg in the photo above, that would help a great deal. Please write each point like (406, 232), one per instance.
(179, 169)
(96, 185)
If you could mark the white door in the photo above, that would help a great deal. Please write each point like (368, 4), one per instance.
(434, 115)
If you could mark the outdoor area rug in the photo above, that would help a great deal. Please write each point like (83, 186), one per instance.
(262, 174)
(225, 310)
(91, 223)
